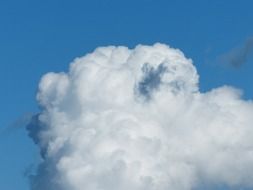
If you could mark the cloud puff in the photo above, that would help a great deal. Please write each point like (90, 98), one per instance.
(135, 119)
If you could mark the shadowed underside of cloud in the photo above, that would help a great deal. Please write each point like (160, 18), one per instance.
(134, 119)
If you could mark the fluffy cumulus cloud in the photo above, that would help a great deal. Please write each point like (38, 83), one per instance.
(134, 119)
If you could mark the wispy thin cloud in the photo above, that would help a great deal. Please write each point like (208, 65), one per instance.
(20, 122)
(236, 57)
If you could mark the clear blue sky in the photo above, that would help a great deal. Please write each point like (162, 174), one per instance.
(41, 36)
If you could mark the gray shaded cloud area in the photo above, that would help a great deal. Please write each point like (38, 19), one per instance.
(34, 127)
(151, 80)
(239, 56)
(44, 177)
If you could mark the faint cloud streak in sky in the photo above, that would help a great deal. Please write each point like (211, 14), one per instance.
(238, 56)
(20, 122)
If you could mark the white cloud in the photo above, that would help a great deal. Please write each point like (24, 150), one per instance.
(134, 119)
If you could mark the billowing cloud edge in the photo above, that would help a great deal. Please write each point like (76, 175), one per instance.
(135, 119)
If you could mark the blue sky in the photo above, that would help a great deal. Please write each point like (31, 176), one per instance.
(41, 36)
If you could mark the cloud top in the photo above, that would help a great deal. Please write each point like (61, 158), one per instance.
(134, 119)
